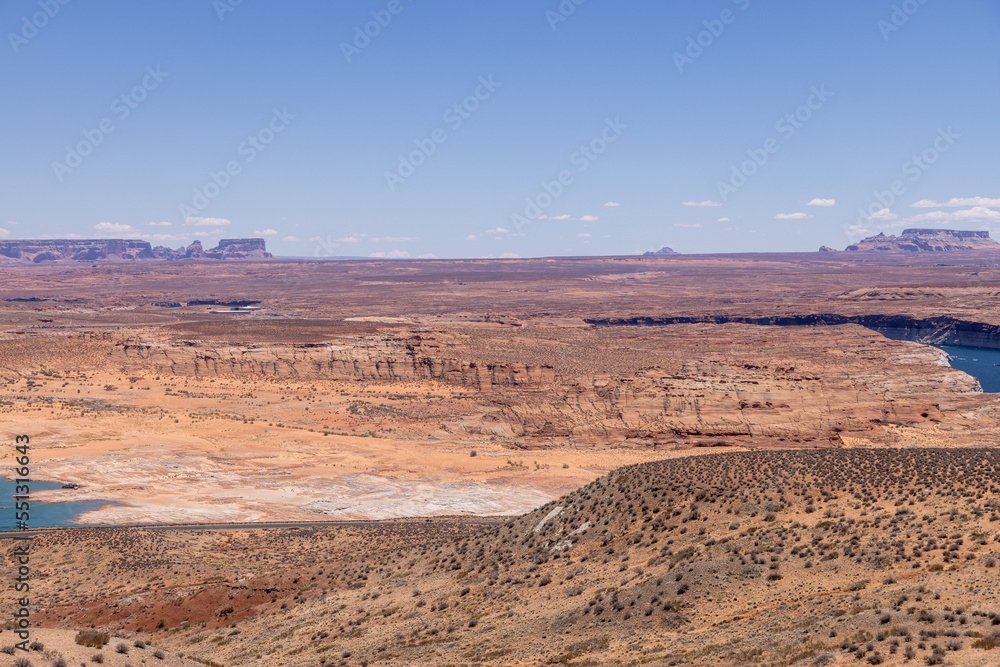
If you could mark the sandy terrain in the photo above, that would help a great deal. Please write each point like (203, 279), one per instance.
(53, 645)
(370, 403)
(176, 445)
(409, 390)
(819, 557)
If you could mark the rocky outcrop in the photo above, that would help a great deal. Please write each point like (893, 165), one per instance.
(163, 252)
(662, 252)
(194, 251)
(928, 240)
(239, 249)
(39, 251)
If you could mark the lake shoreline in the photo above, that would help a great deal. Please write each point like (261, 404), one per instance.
(45, 512)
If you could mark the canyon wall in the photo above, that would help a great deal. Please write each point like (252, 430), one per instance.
(843, 380)
(942, 330)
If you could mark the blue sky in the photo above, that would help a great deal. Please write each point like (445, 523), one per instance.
(498, 127)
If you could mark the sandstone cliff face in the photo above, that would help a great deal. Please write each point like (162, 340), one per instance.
(941, 330)
(928, 240)
(376, 358)
(839, 380)
(124, 250)
(194, 251)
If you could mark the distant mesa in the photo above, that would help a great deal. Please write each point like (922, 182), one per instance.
(38, 251)
(824, 248)
(928, 240)
(662, 252)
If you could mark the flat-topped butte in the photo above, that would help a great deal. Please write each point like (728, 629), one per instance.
(928, 240)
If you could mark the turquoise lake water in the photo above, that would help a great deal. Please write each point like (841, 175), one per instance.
(43, 515)
(979, 362)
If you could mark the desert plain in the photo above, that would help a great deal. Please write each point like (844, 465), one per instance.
(584, 461)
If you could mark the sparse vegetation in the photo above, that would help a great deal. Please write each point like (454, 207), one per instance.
(92, 638)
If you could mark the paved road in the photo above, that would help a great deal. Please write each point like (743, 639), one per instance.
(255, 526)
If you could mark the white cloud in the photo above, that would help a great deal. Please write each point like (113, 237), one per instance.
(684, 224)
(472, 237)
(723, 220)
(429, 255)
(353, 238)
(265, 232)
(792, 216)
(554, 217)
(497, 230)
(113, 228)
(858, 230)
(957, 201)
(701, 203)
(821, 202)
(588, 218)
(392, 254)
(290, 238)
(583, 235)
(979, 214)
(206, 222)
(884, 214)
(612, 204)
(12, 222)
(393, 239)
(4, 233)
(509, 255)
(161, 224)
(975, 213)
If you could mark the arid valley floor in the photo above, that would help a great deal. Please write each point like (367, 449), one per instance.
(697, 460)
